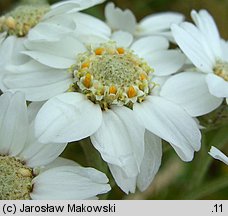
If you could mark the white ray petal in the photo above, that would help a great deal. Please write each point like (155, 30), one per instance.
(69, 182)
(217, 85)
(151, 161)
(168, 121)
(120, 140)
(189, 89)
(119, 19)
(67, 117)
(217, 154)
(126, 183)
(13, 123)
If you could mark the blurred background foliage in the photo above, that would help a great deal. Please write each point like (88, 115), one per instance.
(204, 177)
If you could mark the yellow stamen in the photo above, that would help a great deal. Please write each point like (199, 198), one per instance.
(100, 91)
(131, 92)
(112, 89)
(10, 22)
(143, 76)
(120, 50)
(141, 86)
(87, 80)
(99, 51)
(85, 65)
(25, 172)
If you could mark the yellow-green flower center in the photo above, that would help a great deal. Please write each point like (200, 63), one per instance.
(110, 75)
(15, 179)
(20, 20)
(221, 69)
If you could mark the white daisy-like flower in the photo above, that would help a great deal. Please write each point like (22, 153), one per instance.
(155, 24)
(36, 22)
(112, 97)
(31, 170)
(217, 154)
(203, 90)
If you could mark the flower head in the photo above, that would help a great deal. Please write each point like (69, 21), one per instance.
(203, 90)
(20, 20)
(35, 21)
(110, 75)
(104, 86)
(30, 170)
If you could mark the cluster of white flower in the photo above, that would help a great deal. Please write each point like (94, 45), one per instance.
(117, 82)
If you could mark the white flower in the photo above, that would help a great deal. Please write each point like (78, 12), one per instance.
(31, 170)
(155, 24)
(36, 22)
(41, 21)
(113, 98)
(203, 90)
(217, 154)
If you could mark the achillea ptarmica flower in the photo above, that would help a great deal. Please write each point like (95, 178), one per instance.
(34, 21)
(20, 20)
(203, 90)
(25, 17)
(155, 24)
(107, 89)
(31, 170)
(217, 154)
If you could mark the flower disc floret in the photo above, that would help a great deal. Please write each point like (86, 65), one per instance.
(15, 179)
(110, 75)
(221, 69)
(19, 21)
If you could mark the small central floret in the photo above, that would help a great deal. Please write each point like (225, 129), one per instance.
(110, 75)
(15, 179)
(221, 69)
(19, 21)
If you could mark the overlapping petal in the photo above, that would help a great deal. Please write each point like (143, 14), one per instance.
(207, 26)
(166, 62)
(70, 7)
(53, 29)
(146, 46)
(217, 85)
(120, 140)
(158, 23)
(193, 44)
(126, 183)
(57, 54)
(69, 182)
(37, 154)
(122, 38)
(190, 90)
(168, 121)
(13, 123)
(151, 161)
(36, 81)
(67, 117)
(119, 19)
(90, 25)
